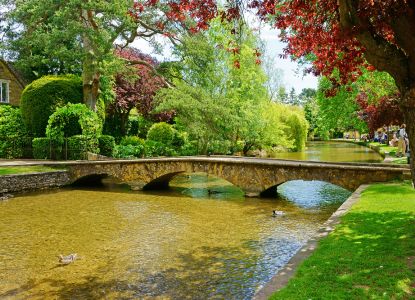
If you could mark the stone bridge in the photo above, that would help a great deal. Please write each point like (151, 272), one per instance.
(254, 176)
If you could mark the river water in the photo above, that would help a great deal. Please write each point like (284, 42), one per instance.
(333, 152)
(200, 240)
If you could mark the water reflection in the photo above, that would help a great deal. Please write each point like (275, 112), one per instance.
(187, 243)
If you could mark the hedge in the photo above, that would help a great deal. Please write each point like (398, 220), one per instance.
(41, 98)
(13, 135)
(106, 145)
(162, 133)
(46, 148)
(73, 119)
(78, 147)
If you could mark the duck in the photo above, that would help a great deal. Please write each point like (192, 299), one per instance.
(5, 197)
(276, 213)
(66, 260)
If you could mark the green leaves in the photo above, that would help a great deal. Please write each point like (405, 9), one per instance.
(73, 119)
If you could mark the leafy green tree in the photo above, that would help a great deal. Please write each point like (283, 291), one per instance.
(82, 34)
(337, 113)
(222, 88)
(341, 112)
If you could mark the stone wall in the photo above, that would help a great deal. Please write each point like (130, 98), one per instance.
(32, 181)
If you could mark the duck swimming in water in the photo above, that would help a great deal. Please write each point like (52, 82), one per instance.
(276, 213)
(66, 260)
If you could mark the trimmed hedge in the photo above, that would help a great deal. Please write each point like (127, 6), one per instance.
(41, 98)
(162, 133)
(79, 145)
(106, 145)
(73, 119)
(46, 148)
(13, 140)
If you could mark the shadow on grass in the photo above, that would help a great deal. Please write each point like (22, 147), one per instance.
(366, 257)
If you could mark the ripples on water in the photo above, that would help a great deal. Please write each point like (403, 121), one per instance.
(187, 243)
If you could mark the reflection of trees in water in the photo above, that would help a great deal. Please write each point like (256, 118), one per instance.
(208, 273)
(202, 185)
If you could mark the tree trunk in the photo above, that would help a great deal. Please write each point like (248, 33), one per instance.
(90, 73)
(90, 82)
(408, 108)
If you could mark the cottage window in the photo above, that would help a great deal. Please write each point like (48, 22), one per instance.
(4, 91)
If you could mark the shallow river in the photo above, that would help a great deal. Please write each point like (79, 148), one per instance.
(201, 240)
(333, 152)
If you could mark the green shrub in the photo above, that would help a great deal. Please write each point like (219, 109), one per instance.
(162, 133)
(132, 126)
(220, 147)
(46, 148)
(180, 138)
(144, 126)
(13, 140)
(189, 149)
(41, 98)
(154, 148)
(129, 151)
(106, 145)
(78, 147)
(130, 147)
(71, 120)
(132, 140)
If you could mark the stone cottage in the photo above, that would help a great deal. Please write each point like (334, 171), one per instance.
(11, 84)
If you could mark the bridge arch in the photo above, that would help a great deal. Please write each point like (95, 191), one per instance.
(273, 191)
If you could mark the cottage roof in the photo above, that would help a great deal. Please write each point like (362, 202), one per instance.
(15, 73)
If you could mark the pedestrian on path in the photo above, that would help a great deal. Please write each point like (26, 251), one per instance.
(401, 141)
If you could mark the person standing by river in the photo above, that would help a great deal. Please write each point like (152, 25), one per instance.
(401, 141)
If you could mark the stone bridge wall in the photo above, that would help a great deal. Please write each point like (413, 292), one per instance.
(253, 176)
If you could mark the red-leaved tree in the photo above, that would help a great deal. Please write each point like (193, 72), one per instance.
(136, 88)
(385, 112)
(342, 36)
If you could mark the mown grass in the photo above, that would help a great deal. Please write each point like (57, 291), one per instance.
(6, 170)
(385, 149)
(370, 255)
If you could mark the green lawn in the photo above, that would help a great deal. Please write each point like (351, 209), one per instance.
(24, 169)
(370, 255)
(388, 150)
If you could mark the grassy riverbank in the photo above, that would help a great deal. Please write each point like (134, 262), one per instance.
(24, 169)
(370, 255)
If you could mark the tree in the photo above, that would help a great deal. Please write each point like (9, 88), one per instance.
(85, 32)
(282, 95)
(306, 95)
(135, 88)
(220, 91)
(293, 98)
(385, 112)
(275, 77)
(337, 113)
(311, 109)
(348, 35)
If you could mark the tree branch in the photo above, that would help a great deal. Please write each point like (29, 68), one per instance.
(148, 65)
(379, 52)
